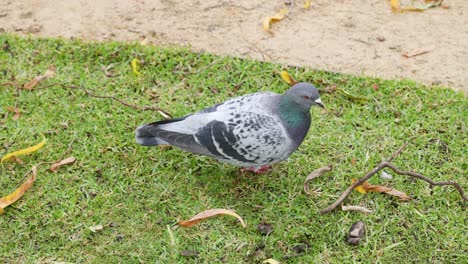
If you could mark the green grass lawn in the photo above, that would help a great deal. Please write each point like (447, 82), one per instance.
(138, 193)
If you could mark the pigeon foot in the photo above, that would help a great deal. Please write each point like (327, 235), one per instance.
(257, 170)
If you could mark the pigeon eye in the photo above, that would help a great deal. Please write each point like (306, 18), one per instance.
(306, 97)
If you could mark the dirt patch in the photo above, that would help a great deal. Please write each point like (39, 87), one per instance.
(357, 37)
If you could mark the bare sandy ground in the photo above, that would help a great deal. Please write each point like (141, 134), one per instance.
(358, 37)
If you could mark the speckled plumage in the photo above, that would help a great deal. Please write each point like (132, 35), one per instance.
(249, 131)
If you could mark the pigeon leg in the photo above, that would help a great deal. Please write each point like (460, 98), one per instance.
(257, 170)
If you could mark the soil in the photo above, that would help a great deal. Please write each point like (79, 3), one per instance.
(357, 37)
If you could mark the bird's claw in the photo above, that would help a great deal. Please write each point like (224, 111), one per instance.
(257, 170)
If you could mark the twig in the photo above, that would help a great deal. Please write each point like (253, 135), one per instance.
(424, 178)
(387, 164)
(68, 149)
(396, 153)
(92, 94)
(14, 84)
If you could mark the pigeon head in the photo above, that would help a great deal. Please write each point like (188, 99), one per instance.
(294, 106)
(305, 95)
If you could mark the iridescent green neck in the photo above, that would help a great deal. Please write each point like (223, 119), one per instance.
(292, 113)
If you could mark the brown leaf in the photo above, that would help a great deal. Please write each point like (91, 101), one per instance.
(54, 167)
(207, 214)
(49, 73)
(416, 53)
(189, 253)
(316, 173)
(367, 187)
(264, 228)
(14, 196)
(15, 110)
(356, 232)
(17, 160)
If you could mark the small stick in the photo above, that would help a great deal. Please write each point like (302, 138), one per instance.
(140, 108)
(69, 149)
(424, 178)
(385, 164)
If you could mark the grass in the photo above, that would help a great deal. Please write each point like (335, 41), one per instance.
(138, 192)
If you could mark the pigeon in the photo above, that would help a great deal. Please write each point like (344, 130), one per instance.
(251, 131)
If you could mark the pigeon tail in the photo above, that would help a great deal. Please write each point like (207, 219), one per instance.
(144, 137)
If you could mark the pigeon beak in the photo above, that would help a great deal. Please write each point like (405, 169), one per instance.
(319, 103)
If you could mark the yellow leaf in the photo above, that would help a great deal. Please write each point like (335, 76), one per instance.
(395, 4)
(49, 73)
(306, 4)
(415, 5)
(25, 151)
(277, 17)
(135, 66)
(360, 189)
(287, 78)
(352, 97)
(367, 187)
(14, 196)
(207, 214)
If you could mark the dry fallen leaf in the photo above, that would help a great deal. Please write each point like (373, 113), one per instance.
(416, 53)
(395, 4)
(264, 228)
(15, 110)
(288, 78)
(135, 66)
(306, 4)
(413, 5)
(351, 96)
(144, 42)
(316, 173)
(207, 214)
(25, 151)
(367, 187)
(49, 73)
(277, 17)
(164, 114)
(108, 70)
(14, 196)
(96, 228)
(356, 232)
(54, 167)
(17, 160)
(355, 208)
(189, 253)
(270, 261)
